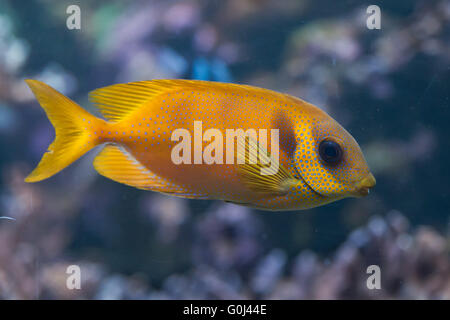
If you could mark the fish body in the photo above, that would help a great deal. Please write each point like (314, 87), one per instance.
(151, 125)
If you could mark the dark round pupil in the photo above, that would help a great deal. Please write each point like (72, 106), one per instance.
(330, 152)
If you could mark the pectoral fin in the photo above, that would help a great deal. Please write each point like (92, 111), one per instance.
(260, 176)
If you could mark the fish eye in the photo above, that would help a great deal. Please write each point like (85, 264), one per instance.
(330, 152)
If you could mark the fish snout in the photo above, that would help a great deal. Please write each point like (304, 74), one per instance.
(363, 186)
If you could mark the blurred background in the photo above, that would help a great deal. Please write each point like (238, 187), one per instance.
(390, 88)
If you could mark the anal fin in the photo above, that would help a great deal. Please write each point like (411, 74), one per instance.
(117, 164)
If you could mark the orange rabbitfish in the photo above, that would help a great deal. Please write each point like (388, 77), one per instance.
(146, 123)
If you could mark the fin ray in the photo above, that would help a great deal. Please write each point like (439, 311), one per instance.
(116, 164)
(273, 182)
(73, 136)
(117, 101)
(119, 165)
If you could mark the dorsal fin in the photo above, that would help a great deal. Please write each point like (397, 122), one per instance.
(117, 164)
(119, 100)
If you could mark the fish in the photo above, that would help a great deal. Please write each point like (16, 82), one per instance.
(196, 139)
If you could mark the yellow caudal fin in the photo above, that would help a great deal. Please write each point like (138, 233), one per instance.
(74, 131)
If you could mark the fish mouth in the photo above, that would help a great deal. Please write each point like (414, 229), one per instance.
(363, 186)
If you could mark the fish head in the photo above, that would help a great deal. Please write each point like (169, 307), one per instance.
(329, 159)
